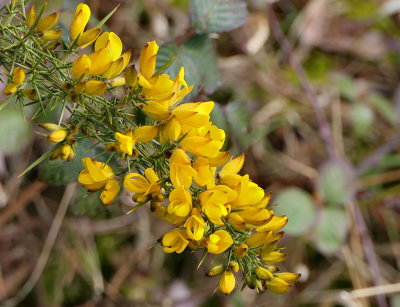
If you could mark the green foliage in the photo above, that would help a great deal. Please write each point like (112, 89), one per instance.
(238, 119)
(208, 16)
(297, 205)
(362, 118)
(14, 130)
(335, 183)
(60, 172)
(331, 230)
(197, 56)
(88, 203)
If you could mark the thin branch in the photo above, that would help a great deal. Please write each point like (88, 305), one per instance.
(325, 131)
(68, 196)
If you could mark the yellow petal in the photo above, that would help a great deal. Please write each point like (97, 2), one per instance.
(80, 20)
(156, 110)
(233, 166)
(31, 17)
(145, 133)
(81, 66)
(111, 190)
(101, 61)
(147, 60)
(131, 76)
(47, 22)
(94, 87)
(10, 88)
(111, 39)
(51, 35)
(88, 37)
(277, 285)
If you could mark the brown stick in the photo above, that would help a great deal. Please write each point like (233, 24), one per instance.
(24, 199)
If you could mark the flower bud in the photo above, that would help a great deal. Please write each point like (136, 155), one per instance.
(56, 153)
(57, 136)
(18, 75)
(10, 89)
(226, 283)
(30, 93)
(66, 150)
(215, 271)
(50, 126)
(131, 79)
(31, 17)
(288, 277)
(277, 285)
(139, 198)
(234, 266)
(47, 22)
(263, 273)
(241, 250)
(51, 35)
(117, 81)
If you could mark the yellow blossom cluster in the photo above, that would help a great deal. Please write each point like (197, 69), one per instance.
(171, 160)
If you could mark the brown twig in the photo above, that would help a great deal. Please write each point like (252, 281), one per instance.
(68, 196)
(326, 135)
(25, 198)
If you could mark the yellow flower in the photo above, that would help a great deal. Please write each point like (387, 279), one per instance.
(277, 285)
(126, 141)
(95, 175)
(180, 202)
(276, 223)
(288, 277)
(111, 190)
(80, 20)
(158, 88)
(109, 40)
(273, 257)
(67, 152)
(255, 216)
(81, 66)
(229, 173)
(118, 65)
(95, 87)
(226, 283)
(143, 185)
(213, 203)
(195, 225)
(249, 193)
(131, 78)
(259, 238)
(147, 61)
(219, 242)
(241, 250)
(10, 89)
(18, 75)
(215, 271)
(175, 241)
(161, 212)
(47, 22)
(204, 172)
(181, 171)
(101, 61)
(57, 136)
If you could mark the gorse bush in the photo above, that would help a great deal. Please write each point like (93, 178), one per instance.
(166, 153)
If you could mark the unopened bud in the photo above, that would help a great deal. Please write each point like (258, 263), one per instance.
(263, 273)
(57, 136)
(18, 75)
(234, 266)
(215, 271)
(10, 89)
(131, 76)
(50, 126)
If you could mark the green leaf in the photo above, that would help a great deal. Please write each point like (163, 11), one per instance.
(87, 203)
(238, 119)
(335, 183)
(346, 86)
(331, 230)
(362, 118)
(297, 205)
(218, 118)
(60, 172)
(383, 106)
(209, 16)
(14, 130)
(197, 56)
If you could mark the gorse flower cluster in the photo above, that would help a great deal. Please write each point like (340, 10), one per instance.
(166, 153)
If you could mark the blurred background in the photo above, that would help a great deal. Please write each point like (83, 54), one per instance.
(309, 90)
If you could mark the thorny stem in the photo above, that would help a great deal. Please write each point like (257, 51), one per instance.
(330, 145)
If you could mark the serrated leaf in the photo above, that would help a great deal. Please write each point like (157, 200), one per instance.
(210, 16)
(335, 183)
(197, 56)
(331, 230)
(14, 130)
(60, 172)
(297, 205)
